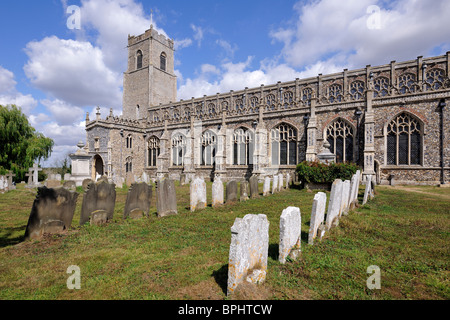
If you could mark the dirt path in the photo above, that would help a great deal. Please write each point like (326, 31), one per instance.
(418, 190)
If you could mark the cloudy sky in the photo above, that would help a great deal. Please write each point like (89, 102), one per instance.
(57, 73)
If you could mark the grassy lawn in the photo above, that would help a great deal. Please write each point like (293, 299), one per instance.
(404, 233)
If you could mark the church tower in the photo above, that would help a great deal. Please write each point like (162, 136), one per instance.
(150, 78)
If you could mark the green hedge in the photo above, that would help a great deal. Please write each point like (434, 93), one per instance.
(317, 172)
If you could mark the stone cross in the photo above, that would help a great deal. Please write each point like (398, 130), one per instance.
(36, 170)
(10, 175)
(30, 177)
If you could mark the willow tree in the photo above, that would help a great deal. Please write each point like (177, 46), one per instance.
(20, 144)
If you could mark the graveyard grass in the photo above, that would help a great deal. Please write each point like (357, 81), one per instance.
(403, 232)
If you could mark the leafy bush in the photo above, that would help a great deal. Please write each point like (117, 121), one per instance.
(317, 172)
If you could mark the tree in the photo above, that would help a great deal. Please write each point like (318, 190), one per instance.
(20, 144)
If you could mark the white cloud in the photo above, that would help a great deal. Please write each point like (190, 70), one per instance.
(9, 94)
(227, 47)
(73, 72)
(198, 34)
(183, 43)
(337, 32)
(60, 111)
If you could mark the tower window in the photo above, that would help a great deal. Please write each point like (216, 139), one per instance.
(163, 59)
(139, 59)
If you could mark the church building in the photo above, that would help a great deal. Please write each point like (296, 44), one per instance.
(392, 120)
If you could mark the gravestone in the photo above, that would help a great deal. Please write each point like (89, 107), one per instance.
(231, 191)
(10, 176)
(317, 227)
(266, 186)
(138, 201)
(345, 197)
(334, 204)
(198, 194)
(244, 191)
(248, 251)
(86, 182)
(99, 196)
(280, 182)
(52, 212)
(67, 176)
(254, 192)
(217, 192)
(53, 183)
(129, 179)
(57, 177)
(71, 185)
(183, 179)
(368, 189)
(3, 184)
(166, 198)
(290, 234)
(354, 185)
(36, 170)
(30, 178)
(288, 180)
(275, 184)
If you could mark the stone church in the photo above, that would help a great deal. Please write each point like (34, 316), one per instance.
(392, 120)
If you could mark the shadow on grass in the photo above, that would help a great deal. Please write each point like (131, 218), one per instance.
(221, 277)
(6, 239)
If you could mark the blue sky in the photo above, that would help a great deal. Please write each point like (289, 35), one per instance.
(57, 74)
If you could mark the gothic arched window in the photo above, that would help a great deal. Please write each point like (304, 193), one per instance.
(381, 87)
(178, 149)
(163, 61)
(129, 164)
(404, 141)
(153, 151)
(129, 142)
(356, 90)
(208, 148)
(288, 99)
(284, 145)
(335, 93)
(139, 59)
(306, 96)
(243, 144)
(270, 102)
(434, 79)
(340, 136)
(254, 104)
(406, 83)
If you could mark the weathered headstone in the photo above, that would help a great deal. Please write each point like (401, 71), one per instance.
(368, 189)
(231, 191)
(86, 183)
(166, 198)
(266, 186)
(67, 176)
(248, 251)
(275, 184)
(10, 177)
(244, 191)
(316, 226)
(71, 185)
(290, 234)
(334, 204)
(53, 183)
(254, 192)
(3, 184)
(36, 170)
(198, 194)
(99, 196)
(345, 197)
(280, 182)
(217, 192)
(129, 179)
(288, 180)
(354, 185)
(138, 201)
(183, 179)
(52, 212)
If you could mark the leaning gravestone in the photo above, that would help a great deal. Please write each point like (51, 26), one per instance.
(266, 186)
(166, 198)
(354, 185)
(231, 191)
(248, 251)
(244, 191)
(254, 192)
(367, 190)
(217, 192)
(52, 212)
(198, 194)
(345, 197)
(53, 183)
(138, 201)
(100, 198)
(280, 182)
(334, 204)
(86, 183)
(290, 234)
(316, 226)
